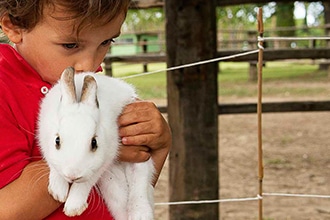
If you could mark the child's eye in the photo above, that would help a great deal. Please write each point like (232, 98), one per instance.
(107, 42)
(70, 46)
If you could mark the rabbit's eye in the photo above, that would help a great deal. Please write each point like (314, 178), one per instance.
(58, 143)
(93, 145)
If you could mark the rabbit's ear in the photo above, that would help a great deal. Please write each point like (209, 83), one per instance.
(89, 91)
(68, 88)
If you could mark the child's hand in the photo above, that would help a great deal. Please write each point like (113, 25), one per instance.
(144, 133)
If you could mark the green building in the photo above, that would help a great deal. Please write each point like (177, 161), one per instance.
(136, 43)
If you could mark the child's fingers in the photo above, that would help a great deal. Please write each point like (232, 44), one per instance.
(138, 140)
(138, 112)
(134, 154)
(139, 129)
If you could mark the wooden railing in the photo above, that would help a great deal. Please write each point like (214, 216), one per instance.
(271, 53)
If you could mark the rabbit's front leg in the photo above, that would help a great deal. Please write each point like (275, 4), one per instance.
(140, 197)
(76, 202)
(58, 187)
(113, 187)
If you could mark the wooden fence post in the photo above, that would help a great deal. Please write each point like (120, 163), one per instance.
(145, 51)
(192, 107)
(108, 65)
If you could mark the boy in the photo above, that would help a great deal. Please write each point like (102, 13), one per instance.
(50, 35)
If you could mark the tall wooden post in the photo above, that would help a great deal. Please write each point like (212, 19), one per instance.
(192, 107)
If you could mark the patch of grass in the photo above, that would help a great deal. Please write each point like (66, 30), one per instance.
(149, 86)
(238, 72)
(233, 72)
(289, 71)
(276, 78)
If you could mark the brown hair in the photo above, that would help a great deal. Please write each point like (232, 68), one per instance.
(27, 13)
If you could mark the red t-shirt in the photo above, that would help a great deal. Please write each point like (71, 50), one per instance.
(20, 94)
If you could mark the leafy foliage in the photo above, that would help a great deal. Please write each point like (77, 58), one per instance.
(144, 20)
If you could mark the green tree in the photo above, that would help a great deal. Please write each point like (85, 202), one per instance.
(239, 16)
(144, 20)
(285, 21)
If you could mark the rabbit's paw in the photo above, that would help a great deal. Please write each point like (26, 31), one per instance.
(58, 189)
(72, 208)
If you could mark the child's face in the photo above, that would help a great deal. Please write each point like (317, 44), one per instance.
(51, 45)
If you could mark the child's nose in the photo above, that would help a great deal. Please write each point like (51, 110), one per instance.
(83, 68)
(86, 64)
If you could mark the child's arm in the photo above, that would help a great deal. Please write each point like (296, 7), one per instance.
(144, 133)
(27, 196)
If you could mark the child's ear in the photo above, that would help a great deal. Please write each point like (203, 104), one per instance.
(13, 32)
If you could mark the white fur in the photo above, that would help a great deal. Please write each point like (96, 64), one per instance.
(74, 167)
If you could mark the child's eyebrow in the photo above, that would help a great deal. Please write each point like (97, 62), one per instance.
(70, 38)
(67, 38)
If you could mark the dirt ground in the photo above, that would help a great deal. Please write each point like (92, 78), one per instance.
(296, 149)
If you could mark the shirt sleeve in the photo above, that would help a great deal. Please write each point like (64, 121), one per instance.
(14, 146)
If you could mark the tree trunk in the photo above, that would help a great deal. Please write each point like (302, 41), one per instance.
(326, 5)
(285, 18)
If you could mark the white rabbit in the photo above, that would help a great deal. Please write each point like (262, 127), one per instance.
(78, 137)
